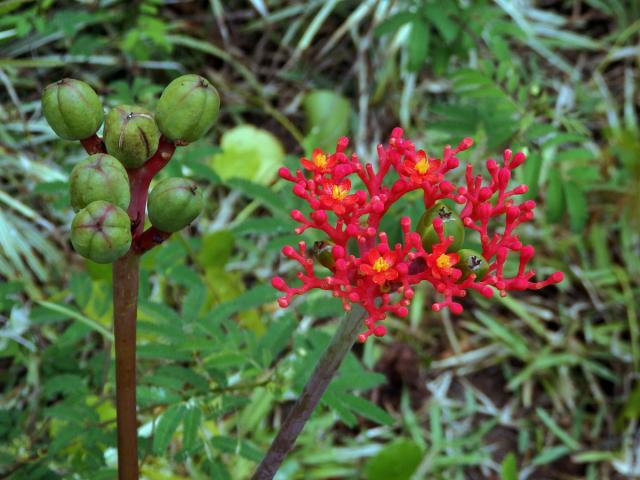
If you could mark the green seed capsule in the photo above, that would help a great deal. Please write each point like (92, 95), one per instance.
(174, 203)
(472, 262)
(99, 177)
(72, 108)
(452, 225)
(187, 108)
(131, 135)
(101, 232)
(322, 251)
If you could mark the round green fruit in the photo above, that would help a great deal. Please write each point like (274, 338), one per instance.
(187, 108)
(99, 177)
(131, 135)
(72, 108)
(101, 232)
(322, 252)
(174, 203)
(472, 262)
(452, 225)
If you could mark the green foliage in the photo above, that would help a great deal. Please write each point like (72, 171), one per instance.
(328, 117)
(397, 460)
(248, 153)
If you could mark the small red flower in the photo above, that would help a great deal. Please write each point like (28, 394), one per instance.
(380, 266)
(320, 162)
(442, 263)
(336, 196)
(422, 169)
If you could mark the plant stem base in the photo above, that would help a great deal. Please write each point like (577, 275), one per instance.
(327, 366)
(125, 304)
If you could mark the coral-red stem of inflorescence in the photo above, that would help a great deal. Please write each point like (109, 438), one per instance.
(380, 276)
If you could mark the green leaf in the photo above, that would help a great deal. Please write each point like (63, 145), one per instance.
(328, 116)
(398, 461)
(509, 467)
(393, 23)
(231, 445)
(216, 249)
(70, 313)
(166, 427)
(250, 153)
(367, 409)
(438, 18)
(563, 436)
(555, 197)
(267, 196)
(253, 298)
(576, 206)
(418, 44)
(191, 424)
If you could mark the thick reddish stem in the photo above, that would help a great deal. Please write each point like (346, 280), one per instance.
(125, 311)
(93, 145)
(125, 305)
(150, 238)
(140, 178)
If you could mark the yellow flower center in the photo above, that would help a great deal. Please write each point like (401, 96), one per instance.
(381, 265)
(443, 261)
(338, 192)
(422, 166)
(320, 160)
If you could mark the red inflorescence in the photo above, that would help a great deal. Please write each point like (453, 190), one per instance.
(380, 276)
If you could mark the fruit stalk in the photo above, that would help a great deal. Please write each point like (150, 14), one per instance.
(140, 179)
(125, 304)
(93, 145)
(327, 366)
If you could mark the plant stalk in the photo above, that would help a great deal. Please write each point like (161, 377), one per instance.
(126, 273)
(125, 306)
(331, 359)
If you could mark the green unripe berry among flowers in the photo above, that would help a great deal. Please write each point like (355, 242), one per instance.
(174, 203)
(451, 223)
(101, 232)
(72, 108)
(471, 262)
(99, 177)
(131, 135)
(187, 108)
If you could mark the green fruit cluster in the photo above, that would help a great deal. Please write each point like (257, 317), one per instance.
(470, 262)
(99, 186)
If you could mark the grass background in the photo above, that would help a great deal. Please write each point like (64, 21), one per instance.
(539, 385)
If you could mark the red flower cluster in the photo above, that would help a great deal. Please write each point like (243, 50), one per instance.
(380, 276)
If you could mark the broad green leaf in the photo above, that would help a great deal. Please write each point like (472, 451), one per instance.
(250, 153)
(190, 424)
(328, 116)
(418, 44)
(166, 427)
(397, 460)
(393, 23)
